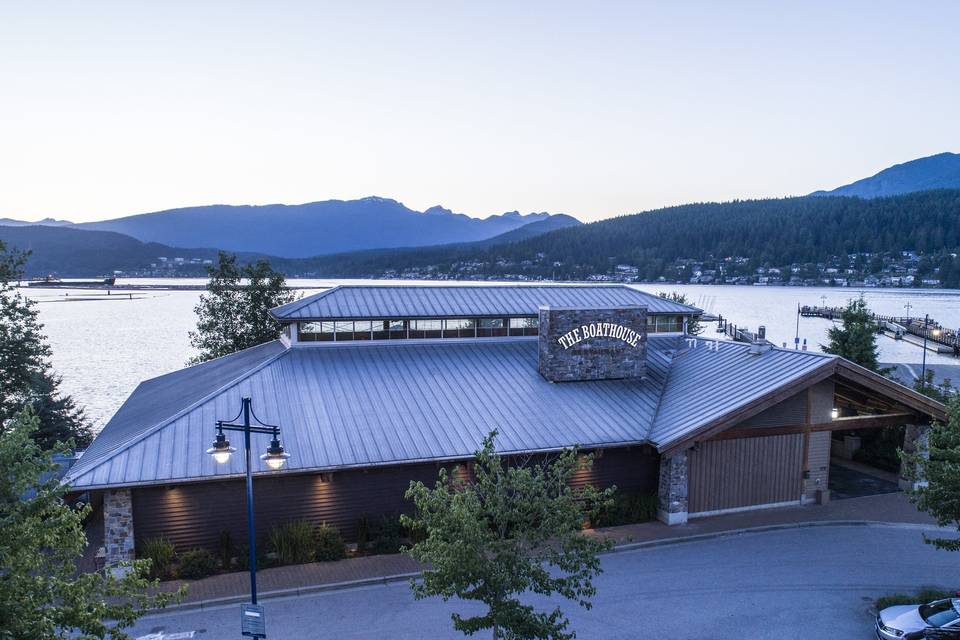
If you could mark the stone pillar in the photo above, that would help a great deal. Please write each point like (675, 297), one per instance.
(118, 526)
(914, 441)
(673, 489)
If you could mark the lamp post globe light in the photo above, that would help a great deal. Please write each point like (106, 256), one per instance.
(275, 457)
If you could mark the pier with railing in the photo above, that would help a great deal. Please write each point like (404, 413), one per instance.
(938, 337)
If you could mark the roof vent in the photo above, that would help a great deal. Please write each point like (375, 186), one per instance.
(759, 346)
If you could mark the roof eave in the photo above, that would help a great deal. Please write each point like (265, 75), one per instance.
(339, 468)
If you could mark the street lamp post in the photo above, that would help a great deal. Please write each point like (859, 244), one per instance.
(274, 458)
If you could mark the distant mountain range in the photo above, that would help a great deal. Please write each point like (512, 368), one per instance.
(77, 251)
(46, 222)
(379, 236)
(941, 171)
(312, 229)
(315, 228)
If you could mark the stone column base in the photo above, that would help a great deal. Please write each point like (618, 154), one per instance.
(670, 519)
(118, 526)
(672, 490)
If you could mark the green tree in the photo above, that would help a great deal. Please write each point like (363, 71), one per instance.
(856, 338)
(939, 467)
(234, 315)
(42, 594)
(928, 386)
(511, 530)
(694, 328)
(26, 376)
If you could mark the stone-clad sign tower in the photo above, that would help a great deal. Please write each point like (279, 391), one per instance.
(593, 344)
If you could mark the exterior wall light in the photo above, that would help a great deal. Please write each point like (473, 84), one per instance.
(834, 413)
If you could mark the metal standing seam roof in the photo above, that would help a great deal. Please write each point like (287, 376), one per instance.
(705, 384)
(370, 404)
(417, 301)
(355, 406)
(157, 399)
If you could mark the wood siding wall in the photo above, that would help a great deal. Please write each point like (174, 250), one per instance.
(192, 515)
(743, 472)
(793, 410)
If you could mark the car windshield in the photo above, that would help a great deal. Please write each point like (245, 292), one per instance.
(938, 614)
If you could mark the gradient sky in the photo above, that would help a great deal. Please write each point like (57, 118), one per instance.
(588, 108)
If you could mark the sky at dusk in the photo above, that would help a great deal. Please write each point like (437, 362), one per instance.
(594, 109)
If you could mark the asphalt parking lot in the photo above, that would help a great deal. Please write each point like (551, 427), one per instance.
(799, 583)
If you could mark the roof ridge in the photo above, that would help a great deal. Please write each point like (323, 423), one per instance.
(164, 422)
(296, 305)
(663, 388)
(492, 284)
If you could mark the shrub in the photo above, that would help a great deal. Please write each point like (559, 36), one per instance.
(628, 508)
(197, 563)
(294, 542)
(161, 553)
(922, 596)
(243, 557)
(377, 535)
(330, 545)
(226, 550)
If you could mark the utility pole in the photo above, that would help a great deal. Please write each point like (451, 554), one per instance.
(908, 306)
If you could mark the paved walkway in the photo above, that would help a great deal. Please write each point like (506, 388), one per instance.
(305, 578)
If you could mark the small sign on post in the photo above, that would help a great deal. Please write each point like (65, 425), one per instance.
(252, 623)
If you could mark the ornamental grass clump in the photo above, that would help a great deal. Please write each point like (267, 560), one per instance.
(162, 555)
(294, 542)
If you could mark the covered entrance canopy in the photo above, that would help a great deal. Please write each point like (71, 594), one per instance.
(775, 449)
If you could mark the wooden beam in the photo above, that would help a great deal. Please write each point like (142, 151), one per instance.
(851, 372)
(840, 424)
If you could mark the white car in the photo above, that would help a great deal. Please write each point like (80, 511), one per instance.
(909, 621)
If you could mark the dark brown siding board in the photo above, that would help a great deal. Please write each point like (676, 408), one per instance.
(790, 411)
(192, 515)
(821, 402)
(730, 474)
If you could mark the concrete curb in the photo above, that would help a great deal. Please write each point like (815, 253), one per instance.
(620, 548)
(730, 533)
(285, 593)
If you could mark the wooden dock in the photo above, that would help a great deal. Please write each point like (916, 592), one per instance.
(911, 329)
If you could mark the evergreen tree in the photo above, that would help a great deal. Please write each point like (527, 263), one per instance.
(939, 468)
(856, 339)
(942, 392)
(42, 595)
(234, 315)
(26, 376)
(512, 530)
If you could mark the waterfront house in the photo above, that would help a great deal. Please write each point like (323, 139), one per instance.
(375, 386)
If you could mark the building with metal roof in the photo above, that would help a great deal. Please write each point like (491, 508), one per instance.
(374, 386)
(445, 301)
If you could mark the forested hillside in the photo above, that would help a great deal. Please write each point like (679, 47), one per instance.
(775, 233)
